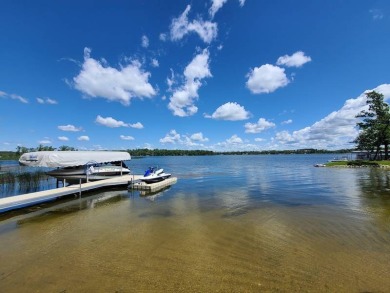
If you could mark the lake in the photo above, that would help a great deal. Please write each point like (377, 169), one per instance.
(230, 224)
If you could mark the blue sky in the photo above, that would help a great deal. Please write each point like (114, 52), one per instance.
(218, 75)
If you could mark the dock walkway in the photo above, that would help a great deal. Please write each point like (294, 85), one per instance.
(24, 200)
(19, 201)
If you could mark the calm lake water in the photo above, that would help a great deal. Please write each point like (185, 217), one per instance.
(230, 224)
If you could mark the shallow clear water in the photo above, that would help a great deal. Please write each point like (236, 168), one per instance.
(230, 223)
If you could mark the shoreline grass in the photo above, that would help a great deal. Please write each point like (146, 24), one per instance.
(358, 163)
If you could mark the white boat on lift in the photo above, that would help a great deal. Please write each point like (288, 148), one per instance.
(75, 165)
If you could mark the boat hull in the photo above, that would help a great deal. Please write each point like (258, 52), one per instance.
(95, 173)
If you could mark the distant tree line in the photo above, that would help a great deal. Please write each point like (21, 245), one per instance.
(8, 155)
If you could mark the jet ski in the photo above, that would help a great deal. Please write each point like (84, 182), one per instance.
(152, 175)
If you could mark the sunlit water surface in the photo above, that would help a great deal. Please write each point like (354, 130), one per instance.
(230, 223)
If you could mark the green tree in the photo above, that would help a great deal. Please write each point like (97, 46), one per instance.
(45, 148)
(374, 126)
(66, 148)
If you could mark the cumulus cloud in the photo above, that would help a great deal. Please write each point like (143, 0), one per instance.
(83, 138)
(145, 41)
(63, 138)
(126, 137)
(198, 137)
(258, 127)
(180, 27)
(110, 122)
(183, 98)
(230, 111)
(266, 79)
(137, 125)
(234, 140)
(336, 130)
(295, 60)
(173, 137)
(69, 127)
(97, 79)
(235, 143)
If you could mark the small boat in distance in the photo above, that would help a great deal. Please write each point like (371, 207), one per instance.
(152, 175)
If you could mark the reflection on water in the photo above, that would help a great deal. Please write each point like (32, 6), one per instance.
(241, 223)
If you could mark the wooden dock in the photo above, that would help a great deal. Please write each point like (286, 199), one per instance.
(29, 199)
(152, 187)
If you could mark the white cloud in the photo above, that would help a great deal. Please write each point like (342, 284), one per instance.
(69, 127)
(289, 121)
(83, 138)
(97, 79)
(172, 137)
(45, 141)
(295, 60)
(234, 140)
(47, 101)
(235, 143)
(51, 101)
(63, 138)
(216, 5)
(266, 79)
(126, 137)
(258, 127)
(145, 41)
(18, 98)
(198, 137)
(163, 37)
(180, 27)
(230, 111)
(336, 130)
(258, 139)
(376, 14)
(155, 63)
(137, 125)
(110, 122)
(183, 98)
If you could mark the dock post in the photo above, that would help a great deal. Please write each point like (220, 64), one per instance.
(80, 188)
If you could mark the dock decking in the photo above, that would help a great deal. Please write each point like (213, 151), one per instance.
(152, 187)
(24, 200)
